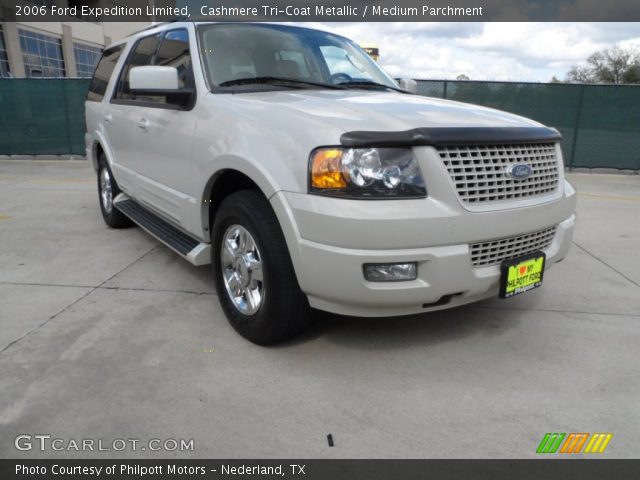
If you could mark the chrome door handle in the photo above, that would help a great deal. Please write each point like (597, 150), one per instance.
(143, 124)
(108, 117)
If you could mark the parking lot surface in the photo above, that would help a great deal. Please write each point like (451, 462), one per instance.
(105, 334)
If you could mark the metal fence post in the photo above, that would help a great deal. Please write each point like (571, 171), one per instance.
(444, 90)
(576, 127)
(66, 113)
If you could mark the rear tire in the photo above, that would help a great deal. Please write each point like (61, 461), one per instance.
(254, 276)
(107, 191)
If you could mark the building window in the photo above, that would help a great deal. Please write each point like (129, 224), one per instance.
(4, 61)
(42, 55)
(86, 58)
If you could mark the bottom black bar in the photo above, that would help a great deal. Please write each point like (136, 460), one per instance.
(567, 468)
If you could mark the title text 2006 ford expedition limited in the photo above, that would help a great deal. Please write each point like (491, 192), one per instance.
(298, 168)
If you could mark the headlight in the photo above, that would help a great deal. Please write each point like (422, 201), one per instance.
(366, 173)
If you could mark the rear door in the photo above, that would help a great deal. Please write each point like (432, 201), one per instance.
(96, 109)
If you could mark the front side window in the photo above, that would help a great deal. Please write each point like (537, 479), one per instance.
(42, 55)
(170, 49)
(174, 52)
(234, 52)
(141, 55)
(103, 73)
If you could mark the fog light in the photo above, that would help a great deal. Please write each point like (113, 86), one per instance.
(390, 272)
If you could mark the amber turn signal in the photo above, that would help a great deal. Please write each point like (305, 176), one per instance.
(326, 169)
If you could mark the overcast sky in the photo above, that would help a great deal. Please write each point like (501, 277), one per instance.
(486, 51)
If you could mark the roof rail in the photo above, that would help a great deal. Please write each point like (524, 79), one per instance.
(148, 28)
(172, 20)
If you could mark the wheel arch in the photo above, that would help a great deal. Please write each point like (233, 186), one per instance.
(222, 184)
(96, 152)
(98, 147)
(229, 180)
(219, 186)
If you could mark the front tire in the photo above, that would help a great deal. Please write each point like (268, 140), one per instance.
(254, 276)
(107, 191)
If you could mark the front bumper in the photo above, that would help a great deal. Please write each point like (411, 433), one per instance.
(445, 277)
(330, 239)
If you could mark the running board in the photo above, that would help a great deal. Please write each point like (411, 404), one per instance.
(196, 252)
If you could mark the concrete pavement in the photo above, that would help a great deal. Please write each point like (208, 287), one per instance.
(105, 334)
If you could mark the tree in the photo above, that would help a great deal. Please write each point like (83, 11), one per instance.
(611, 65)
(581, 74)
(462, 76)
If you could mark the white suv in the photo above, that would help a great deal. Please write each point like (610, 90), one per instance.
(291, 162)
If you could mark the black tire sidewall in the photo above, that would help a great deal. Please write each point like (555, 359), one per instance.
(261, 327)
(115, 218)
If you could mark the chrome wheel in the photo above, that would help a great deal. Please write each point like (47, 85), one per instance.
(241, 265)
(106, 194)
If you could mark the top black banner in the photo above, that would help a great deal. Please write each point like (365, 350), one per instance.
(322, 10)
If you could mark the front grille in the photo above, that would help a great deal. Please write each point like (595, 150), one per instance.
(495, 251)
(478, 171)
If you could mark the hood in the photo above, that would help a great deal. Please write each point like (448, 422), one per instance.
(383, 111)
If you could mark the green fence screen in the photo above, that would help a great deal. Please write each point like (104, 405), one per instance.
(600, 124)
(42, 116)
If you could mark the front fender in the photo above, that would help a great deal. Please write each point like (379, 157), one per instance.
(206, 174)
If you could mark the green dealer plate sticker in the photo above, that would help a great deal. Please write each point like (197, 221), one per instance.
(521, 274)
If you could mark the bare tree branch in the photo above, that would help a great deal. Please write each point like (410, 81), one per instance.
(612, 65)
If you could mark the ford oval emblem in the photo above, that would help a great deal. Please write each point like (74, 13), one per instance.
(519, 171)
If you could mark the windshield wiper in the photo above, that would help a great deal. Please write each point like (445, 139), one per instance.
(288, 82)
(367, 83)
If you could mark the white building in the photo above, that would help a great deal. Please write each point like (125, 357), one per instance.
(55, 49)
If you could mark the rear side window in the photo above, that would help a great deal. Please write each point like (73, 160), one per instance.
(143, 54)
(102, 73)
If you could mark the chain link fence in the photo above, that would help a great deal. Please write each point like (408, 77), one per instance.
(600, 124)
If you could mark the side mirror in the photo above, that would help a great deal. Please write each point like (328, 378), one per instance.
(154, 80)
(408, 85)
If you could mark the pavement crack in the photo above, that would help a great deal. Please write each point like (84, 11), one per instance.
(605, 263)
(82, 297)
(102, 287)
(160, 290)
(46, 321)
(12, 184)
(129, 265)
(37, 284)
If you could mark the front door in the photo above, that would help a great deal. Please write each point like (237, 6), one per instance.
(156, 135)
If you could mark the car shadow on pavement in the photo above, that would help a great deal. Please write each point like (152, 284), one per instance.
(388, 333)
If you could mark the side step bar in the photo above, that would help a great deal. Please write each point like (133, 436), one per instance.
(196, 252)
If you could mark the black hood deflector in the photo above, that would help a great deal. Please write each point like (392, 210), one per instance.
(450, 136)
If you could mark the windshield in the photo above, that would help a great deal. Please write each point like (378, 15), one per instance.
(232, 52)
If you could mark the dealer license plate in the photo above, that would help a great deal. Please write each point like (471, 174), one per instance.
(521, 274)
